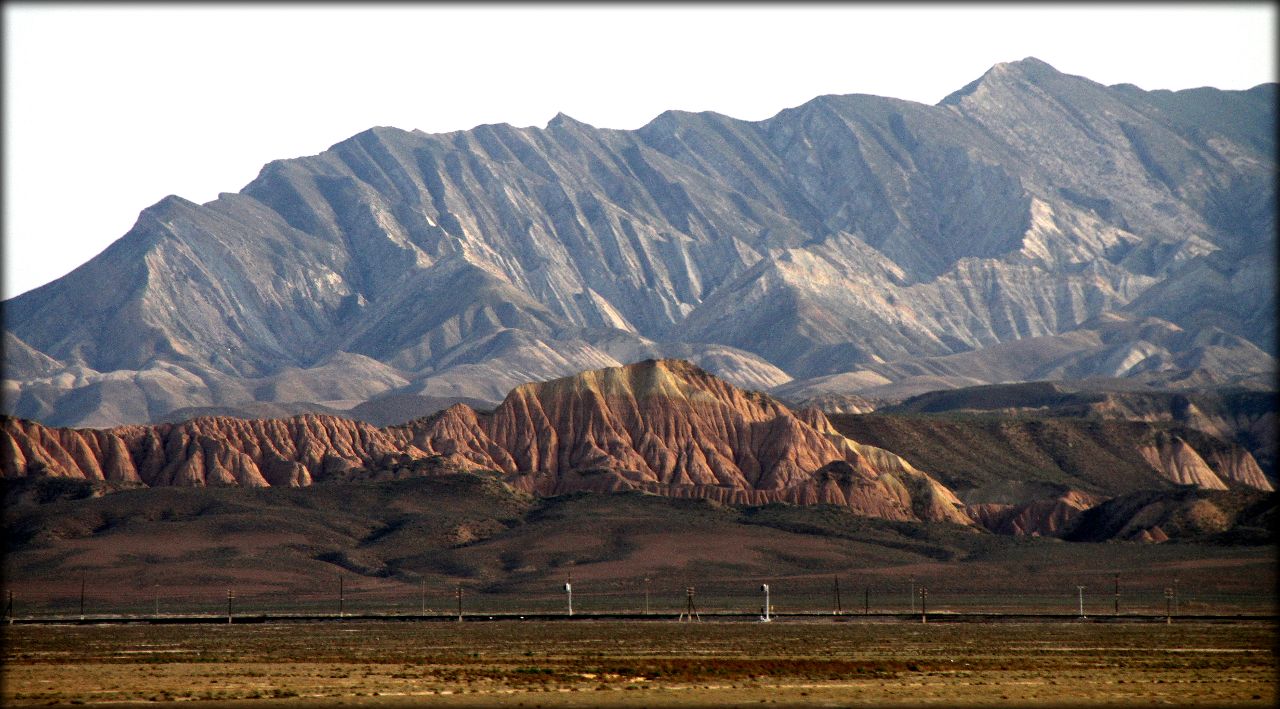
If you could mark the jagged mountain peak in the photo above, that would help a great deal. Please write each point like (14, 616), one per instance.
(1030, 67)
(670, 121)
(563, 120)
(1029, 70)
(672, 379)
(379, 133)
(172, 201)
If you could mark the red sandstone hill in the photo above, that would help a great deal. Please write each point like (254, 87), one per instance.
(665, 427)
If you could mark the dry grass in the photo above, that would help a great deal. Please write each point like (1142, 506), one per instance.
(644, 664)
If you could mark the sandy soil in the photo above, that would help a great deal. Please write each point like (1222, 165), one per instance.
(643, 664)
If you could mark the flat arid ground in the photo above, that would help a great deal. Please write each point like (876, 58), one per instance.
(649, 663)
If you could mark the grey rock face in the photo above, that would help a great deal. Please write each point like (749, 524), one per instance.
(849, 234)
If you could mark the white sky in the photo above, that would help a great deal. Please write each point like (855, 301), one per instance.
(109, 108)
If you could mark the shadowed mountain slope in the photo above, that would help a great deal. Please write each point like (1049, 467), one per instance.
(1027, 471)
(402, 543)
(1241, 416)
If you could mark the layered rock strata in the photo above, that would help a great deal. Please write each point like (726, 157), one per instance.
(665, 427)
(660, 426)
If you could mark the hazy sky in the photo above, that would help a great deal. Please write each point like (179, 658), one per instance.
(109, 108)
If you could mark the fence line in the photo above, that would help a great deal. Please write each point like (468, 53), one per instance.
(713, 596)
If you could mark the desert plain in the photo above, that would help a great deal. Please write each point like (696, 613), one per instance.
(840, 661)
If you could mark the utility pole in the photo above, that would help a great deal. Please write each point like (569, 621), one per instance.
(459, 594)
(1080, 591)
(646, 595)
(913, 594)
(342, 599)
(1175, 595)
(1117, 610)
(866, 600)
(1168, 606)
(839, 610)
(924, 608)
(230, 596)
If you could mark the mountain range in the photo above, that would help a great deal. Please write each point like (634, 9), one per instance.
(668, 428)
(1031, 225)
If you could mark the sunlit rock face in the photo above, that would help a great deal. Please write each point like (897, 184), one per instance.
(662, 426)
(1108, 231)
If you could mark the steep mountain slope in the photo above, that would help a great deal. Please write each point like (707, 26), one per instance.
(1025, 471)
(987, 458)
(664, 427)
(849, 234)
(1223, 517)
(1244, 417)
(1146, 351)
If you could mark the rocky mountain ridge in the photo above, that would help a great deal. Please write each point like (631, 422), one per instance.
(1031, 225)
(1241, 416)
(663, 427)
